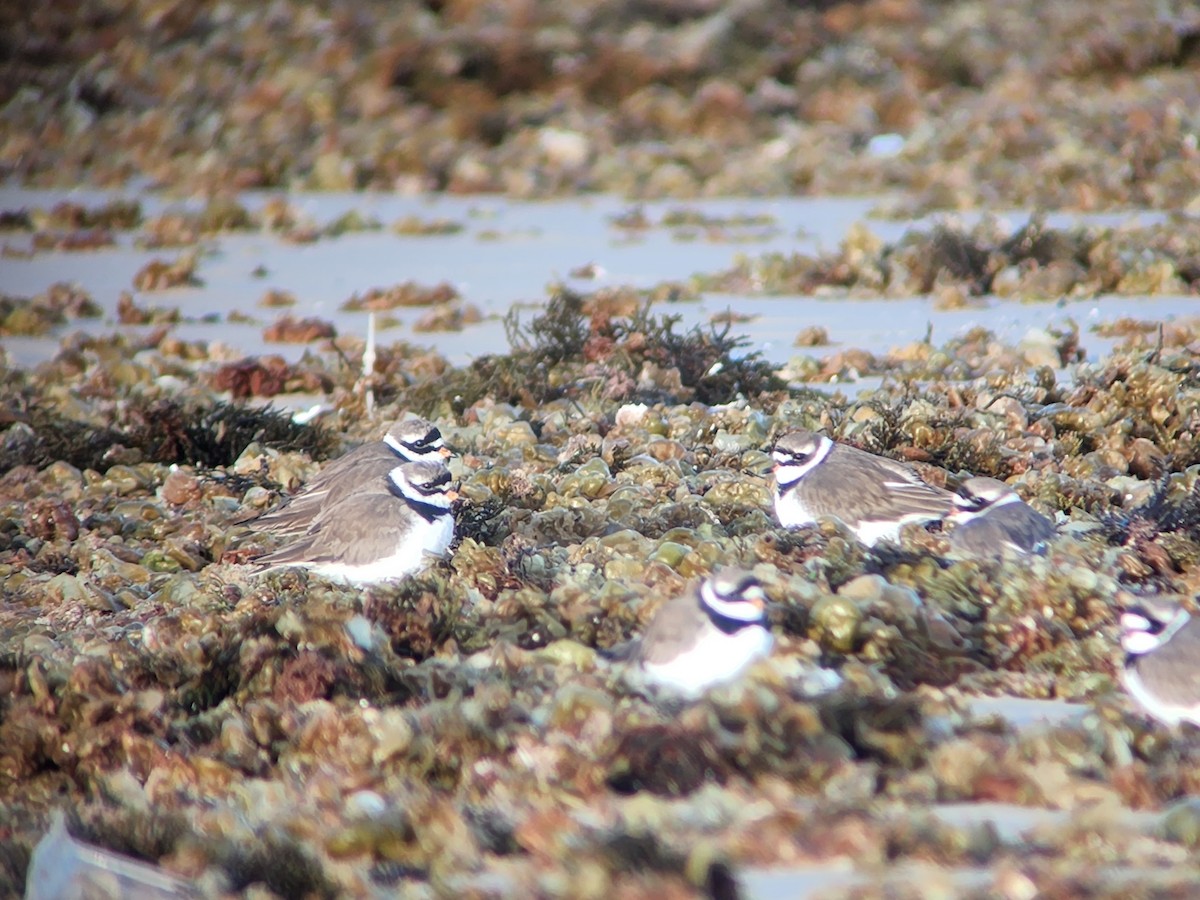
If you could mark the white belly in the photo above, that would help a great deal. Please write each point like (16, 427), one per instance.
(420, 545)
(1170, 713)
(871, 533)
(718, 658)
(791, 512)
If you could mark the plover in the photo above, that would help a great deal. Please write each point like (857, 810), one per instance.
(874, 496)
(1161, 670)
(408, 440)
(379, 532)
(707, 635)
(992, 520)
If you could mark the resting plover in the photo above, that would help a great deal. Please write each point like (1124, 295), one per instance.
(409, 440)
(1161, 670)
(874, 496)
(992, 520)
(379, 532)
(707, 635)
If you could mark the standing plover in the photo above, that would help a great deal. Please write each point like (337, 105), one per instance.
(707, 635)
(874, 496)
(992, 520)
(1161, 669)
(409, 440)
(379, 532)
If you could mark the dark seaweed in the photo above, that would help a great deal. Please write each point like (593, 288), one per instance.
(565, 352)
(278, 861)
(164, 431)
(143, 834)
(1164, 510)
(484, 523)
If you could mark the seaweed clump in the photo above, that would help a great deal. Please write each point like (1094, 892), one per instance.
(607, 346)
(164, 431)
(37, 315)
(1174, 506)
(1035, 262)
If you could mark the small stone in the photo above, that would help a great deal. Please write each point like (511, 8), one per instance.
(365, 804)
(1039, 348)
(834, 622)
(180, 487)
(724, 442)
(567, 653)
(568, 149)
(1181, 823)
(630, 415)
(868, 589)
(811, 336)
(361, 631)
(393, 735)
(66, 589)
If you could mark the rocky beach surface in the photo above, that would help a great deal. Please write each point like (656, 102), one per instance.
(460, 733)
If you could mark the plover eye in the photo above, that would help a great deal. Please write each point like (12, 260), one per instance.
(752, 591)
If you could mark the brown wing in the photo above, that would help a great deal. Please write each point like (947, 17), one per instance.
(364, 467)
(356, 530)
(370, 458)
(855, 479)
(1174, 670)
(293, 517)
(673, 630)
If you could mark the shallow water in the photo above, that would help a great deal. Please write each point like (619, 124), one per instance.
(1013, 823)
(817, 881)
(1024, 712)
(905, 880)
(506, 255)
